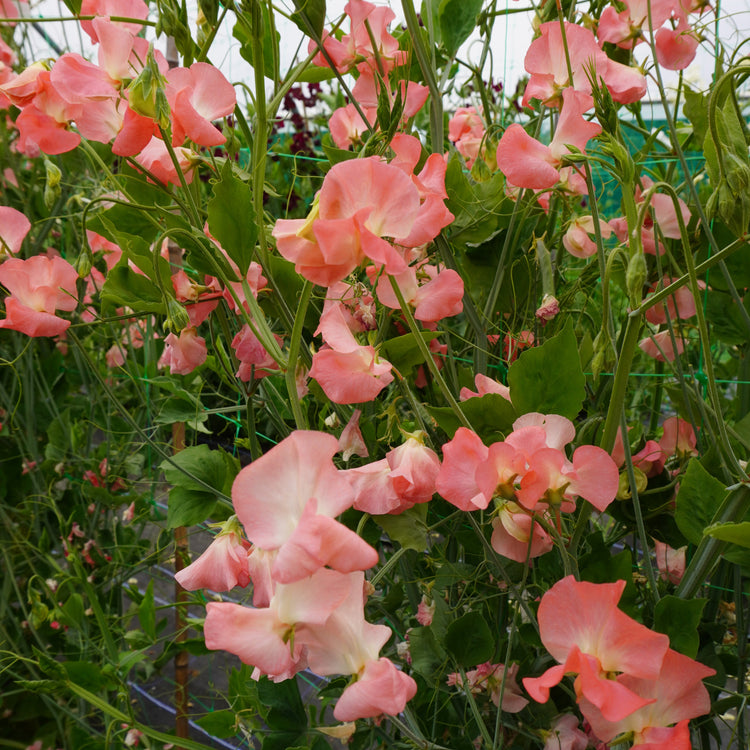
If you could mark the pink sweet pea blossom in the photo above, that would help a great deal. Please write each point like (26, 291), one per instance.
(546, 62)
(38, 286)
(156, 159)
(517, 535)
(122, 8)
(425, 612)
(222, 566)
(676, 48)
(678, 438)
(347, 372)
(287, 500)
(14, 227)
(674, 696)
(183, 353)
(347, 126)
(485, 385)
(565, 735)
(670, 562)
(527, 163)
(457, 479)
(660, 347)
(198, 95)
(581, 626)
(262, 637)
(351, 442)
(577, 240)
(490, 677)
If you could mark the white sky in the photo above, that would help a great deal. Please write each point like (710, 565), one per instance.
(511, 37)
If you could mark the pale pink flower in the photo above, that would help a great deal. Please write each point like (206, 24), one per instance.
(288, 499)
(678, 437)
(14, 226)
(351, 442)
(670, 562)
(659, 346)
(485, 385)
(222, 566)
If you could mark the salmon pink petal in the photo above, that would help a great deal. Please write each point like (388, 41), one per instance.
(612, 698)
(572, 128)
(37, 130)
(538, 687)
(676, 48)
(381, 689)
(666, 216)
(271, 494)
(14, 226)
(134, 135)
(339, 240)
(255, 635)
(626, 84)
(442, 297)
(558, 430)
(318, 541)
(314, 599)
(525, 162)
(350, 377)
(220, 568)
(596, 476)
(33, 323)
(123, 8)
(382, 252)
(432, 217)
(457, 479)
(373, 488)
(659, 346)
(585, 615)
(512, 532)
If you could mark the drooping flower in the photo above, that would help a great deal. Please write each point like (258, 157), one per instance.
(183, 353)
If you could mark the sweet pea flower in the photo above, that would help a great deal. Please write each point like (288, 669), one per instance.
(348, 372)
(124, 8)
(517, 535)
(351, 442)
(156, 159)
(565, 735)
(673, 697)
(581, 626)
(263, 637)
(198, 95)
(676, 48)
(577, 240)
(527, 163)
(678, 438)
(287, 501)
(484, 385)
(546, 62)
(490, 677)
(183, 353)
(660, 347)
(38, 287)
(681, 304)
(222, 566)
(347, 126)
(14, 226)
(670, 562)
(624, 28)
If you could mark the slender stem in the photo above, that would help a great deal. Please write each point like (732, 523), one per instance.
(300, 418)
(427, 355)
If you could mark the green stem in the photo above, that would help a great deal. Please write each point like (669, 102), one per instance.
(290, 376)
(427, 355)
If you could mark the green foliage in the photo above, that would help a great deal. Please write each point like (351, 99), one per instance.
(679, 619)
(697, 501)
(532, 387)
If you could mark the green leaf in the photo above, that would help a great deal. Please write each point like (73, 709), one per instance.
(230, 217)
(736, 533)
(403, 353)
(491, 416)
(409, 528)
(286, 711)
(86, 674)
(221, 724)
(189, 507)
(698, 499)
(457, 18)
(548, 378)
(183, 408)
(147, 612)
(679, 619)
(695, 109)
(310, 14)
(426, 653)
(469, 639)
(125, 288)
